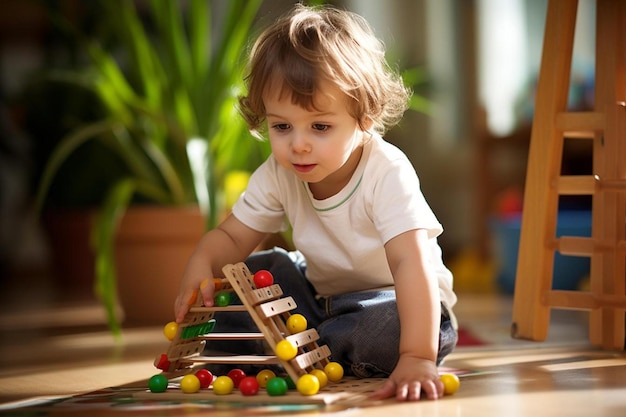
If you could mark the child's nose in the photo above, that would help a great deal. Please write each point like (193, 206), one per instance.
(300, 143)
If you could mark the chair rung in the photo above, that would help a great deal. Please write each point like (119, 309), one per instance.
(579, 124)
(577, 184)
(584, 246)
(583, 300)
(588, 185)
(575, 246)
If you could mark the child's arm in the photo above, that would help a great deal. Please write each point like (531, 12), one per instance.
(230, 242)
(419, 309)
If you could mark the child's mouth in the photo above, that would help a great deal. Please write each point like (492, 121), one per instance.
(304, 168)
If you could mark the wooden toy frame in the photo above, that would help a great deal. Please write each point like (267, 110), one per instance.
(268, 309)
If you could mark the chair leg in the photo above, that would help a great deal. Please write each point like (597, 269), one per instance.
(531, 315)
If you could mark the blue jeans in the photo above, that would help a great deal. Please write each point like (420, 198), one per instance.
(361, 329)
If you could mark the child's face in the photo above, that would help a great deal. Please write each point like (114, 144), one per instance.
(321, 146)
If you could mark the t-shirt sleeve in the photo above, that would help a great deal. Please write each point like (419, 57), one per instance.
(260, 207)
(398, 204)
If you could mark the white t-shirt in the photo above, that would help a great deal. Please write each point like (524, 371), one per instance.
(343, 237)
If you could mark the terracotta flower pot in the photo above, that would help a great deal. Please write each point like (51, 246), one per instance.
(152, 249)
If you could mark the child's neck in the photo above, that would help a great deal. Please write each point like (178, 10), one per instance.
(336, 181)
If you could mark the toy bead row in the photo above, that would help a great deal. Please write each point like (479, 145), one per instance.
(308, 384)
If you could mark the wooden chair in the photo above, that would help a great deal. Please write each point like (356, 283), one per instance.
(606, 127)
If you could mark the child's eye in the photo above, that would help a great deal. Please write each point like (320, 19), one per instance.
(281, 126)
(320, 127)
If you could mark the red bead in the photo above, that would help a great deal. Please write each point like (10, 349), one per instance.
(263, 278)
(249, 386)
(205, 377)
(236, 375)
(162, 363)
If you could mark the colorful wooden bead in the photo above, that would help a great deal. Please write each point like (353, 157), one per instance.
(157, 383)
(296, 323)
(222, 299)
(205, 377)
(190, 384)
(308, 385)
(249, 386)
(286, 350)
(223, 385)
(264, 376)
(263, 278)
(334, 371)
(236, 375)
(169, 330)
(321, 377)
(276, 387)
(451, 383)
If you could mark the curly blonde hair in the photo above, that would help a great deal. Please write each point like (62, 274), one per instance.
(310, 44)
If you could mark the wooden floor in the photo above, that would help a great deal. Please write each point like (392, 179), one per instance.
(53, 349)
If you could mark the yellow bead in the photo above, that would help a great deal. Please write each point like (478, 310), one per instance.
(223, 385)
(451, 383)
(308, 385)
(334, 371)
(321, 377)
(169, 330)
(190, 384)
(264, 376)
(296, 323)
(286, 350)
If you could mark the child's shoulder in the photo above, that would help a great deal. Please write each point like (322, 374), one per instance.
(384, 151)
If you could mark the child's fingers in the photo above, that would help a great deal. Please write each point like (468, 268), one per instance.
(207, 290)
(386, 391)
(181, 307)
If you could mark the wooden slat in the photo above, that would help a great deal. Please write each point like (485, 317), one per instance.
(583, 300)
(216, 309)
(265, 294)
(577, 184)
(582, 125)
(304, 338)
(238, 359)
(184, 349)
(311, 358)
(274, 308)
(575, 246)
(232, 336)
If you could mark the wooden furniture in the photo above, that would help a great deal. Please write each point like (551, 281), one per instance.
(606, 127)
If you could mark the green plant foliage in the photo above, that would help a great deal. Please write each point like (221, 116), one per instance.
(168, 88)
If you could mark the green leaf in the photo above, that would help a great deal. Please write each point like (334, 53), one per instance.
(199, 36)
(103, 239)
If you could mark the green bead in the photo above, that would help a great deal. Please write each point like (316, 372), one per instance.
(158, 383)
(222, 299)
(276, 386)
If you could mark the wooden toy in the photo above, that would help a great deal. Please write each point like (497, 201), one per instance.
(296, 348)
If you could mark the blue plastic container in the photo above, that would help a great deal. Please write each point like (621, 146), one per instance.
(568, 270)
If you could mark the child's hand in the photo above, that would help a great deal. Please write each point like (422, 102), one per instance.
(411, 377)
(197, 282)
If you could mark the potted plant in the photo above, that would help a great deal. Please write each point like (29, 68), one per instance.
(169, 94)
